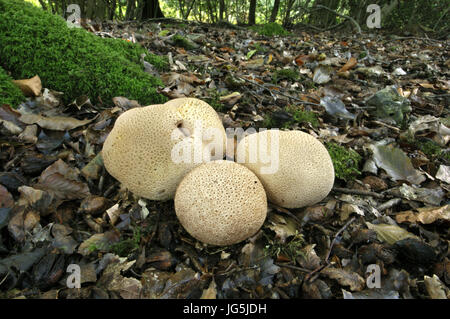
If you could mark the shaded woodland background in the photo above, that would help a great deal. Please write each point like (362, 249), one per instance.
(397, 15)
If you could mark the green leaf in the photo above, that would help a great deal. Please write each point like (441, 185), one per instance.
(251, 53)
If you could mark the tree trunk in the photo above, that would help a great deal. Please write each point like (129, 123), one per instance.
(287, 16)
(275, 8)
(43, 5)
(151, 10)
(252, 12)
(212, 11)
(221, 9)
(129, 14)
(181, 5)
(112, 5)
(189, 9)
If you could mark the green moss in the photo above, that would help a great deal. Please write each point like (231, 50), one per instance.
(181, 41)
(259, 48)
(124, 247)
(269, 122)
(133, 52)
(306, 117)
(301, 116)
(71, 60)
(285, 74)
(180, 26)
(345, 161)
(291, 248)
(164, 33)
(431, 149)
(161, 63)
(270, 29)
(213, 99)
(9, 93)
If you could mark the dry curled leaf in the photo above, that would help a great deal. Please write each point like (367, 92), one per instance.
(211, 292)
(57, 123)
(98, 242)
(6, 199)
(350, 64)
(62, 181)
(22, 221)
(345, 278)
(30, 87)
(435, 288)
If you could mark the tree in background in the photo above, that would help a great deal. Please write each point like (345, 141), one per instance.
(151, 9)
(275, 8)
(252, 12)
(396, 14)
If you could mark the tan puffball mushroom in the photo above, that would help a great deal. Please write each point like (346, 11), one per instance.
(221, 203)
(139, 150)
(192, 110)
(304, 173)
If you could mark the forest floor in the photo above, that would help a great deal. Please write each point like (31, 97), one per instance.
(380, 104)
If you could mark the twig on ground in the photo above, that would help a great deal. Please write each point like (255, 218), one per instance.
(293, 267)
(279, 93)
(336, 236)
(387, 125)
(389, 204)
(309, 277)
(357, 192)
(287, 212)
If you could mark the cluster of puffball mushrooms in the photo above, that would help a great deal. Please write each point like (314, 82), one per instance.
(219, 202)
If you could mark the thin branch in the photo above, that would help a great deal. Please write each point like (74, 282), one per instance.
(357, 192)
(310, 277)
(279, 93)
(341, 15)
(389, 204)
(336, 236)
(293, 267)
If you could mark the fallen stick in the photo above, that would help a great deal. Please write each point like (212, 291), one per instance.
(357, 192)
(279, 92)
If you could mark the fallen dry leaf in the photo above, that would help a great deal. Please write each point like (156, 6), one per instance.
(30, 87)
(23, 220)
(62, 181)
(57, 123)
(390, 233)
(211, 292)
(6, 199)
(345, 278)
(435, 288)
(98, 242)
(350, 64)
(425, 215)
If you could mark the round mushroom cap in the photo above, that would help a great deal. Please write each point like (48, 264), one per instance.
(221, 203)
(139, 151)
(193, 110)
(298, 170)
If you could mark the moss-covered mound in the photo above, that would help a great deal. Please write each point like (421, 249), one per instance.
(9, 93)
(270, 29)
(71, 60)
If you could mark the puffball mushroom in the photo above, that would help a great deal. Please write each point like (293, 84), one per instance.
(221, 203)
(139, 150)
(304, 173)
